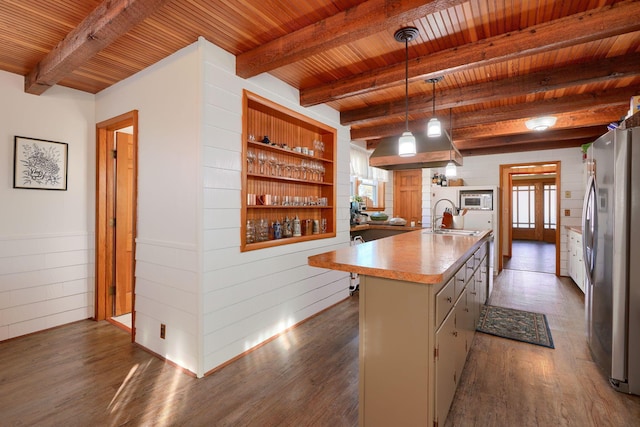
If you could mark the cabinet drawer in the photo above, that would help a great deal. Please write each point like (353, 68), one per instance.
(461, 280)
(444, 300)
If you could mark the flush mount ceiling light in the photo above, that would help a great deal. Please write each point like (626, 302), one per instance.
(407, 142)
(450, 170)
(434, 128)
(540, 123)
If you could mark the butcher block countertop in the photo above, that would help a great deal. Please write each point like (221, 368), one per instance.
(413, 256)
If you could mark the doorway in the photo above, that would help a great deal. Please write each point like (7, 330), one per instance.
(530, 217)
(116, 201)
(407, 195)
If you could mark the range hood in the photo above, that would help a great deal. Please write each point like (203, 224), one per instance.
(430, 153)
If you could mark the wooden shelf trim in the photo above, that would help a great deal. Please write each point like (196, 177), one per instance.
(262, 146)
(285, 126)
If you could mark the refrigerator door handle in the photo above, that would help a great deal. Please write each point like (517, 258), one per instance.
(589, 221)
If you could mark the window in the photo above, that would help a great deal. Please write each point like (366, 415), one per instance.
(367, 182)
(371, 192)
(550, 207)
(524, 206)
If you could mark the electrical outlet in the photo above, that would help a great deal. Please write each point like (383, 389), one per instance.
(163, 330)
(567, 194)
(567, 212)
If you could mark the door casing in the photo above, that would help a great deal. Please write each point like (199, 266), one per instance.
(105, 202)
(506, 183)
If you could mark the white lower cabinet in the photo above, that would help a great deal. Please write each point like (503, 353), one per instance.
(455, 334)
(414, 340)
(448, 343)
(575, 265)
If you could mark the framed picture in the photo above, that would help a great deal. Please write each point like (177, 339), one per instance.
(39, 164)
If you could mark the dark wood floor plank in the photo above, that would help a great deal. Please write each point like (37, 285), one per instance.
(89, 373)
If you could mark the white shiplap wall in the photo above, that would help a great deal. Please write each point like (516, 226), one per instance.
(249, 297)
(46, 237)
(167, 273)
(45, 281)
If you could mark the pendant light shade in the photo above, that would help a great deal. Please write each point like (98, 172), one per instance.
(407, 145)
(450, 170)
(434, 128)
(407, 142)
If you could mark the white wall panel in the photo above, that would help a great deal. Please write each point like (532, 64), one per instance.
(166, 96)
(46, 237)
(226, 341)
(46, 322)
(248, 297)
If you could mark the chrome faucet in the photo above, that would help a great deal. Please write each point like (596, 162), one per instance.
(434, 219)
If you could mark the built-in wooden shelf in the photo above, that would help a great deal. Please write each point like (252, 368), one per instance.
(287, 130)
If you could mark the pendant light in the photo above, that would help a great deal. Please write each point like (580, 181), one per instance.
(434, 128)
(407, 142)
(450, 170)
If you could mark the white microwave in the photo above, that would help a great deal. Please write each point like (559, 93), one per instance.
(477, 200)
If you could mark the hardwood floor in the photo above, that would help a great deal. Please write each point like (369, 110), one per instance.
(531, 255)
(508, 383)
(89, 374)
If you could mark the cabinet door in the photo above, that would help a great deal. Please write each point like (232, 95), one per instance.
(579, 266)
(466, 320)
(571, 258)
(447, 343)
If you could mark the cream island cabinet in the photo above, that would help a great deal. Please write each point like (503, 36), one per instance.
(420, 300)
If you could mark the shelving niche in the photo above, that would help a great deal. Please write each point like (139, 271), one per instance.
(293, 178)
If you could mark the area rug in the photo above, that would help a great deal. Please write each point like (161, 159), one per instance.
(518, 325)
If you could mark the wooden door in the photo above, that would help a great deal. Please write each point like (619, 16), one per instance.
(407, 195)
(124, 223)
(532, 227)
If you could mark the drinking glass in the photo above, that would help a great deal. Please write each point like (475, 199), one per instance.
(323, 225)
(273, 161)
(251, 158)
(250, 232)
(262, 158)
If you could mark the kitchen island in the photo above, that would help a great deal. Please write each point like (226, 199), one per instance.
(420, 300)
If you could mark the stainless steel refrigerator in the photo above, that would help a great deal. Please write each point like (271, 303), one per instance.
(611, 244)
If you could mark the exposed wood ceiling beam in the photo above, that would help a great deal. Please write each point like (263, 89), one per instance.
(578, 119)
(358, 22)
(566, 104)
(543, 81)
(110, 20)
(518, 148)
(592, 133)
(596, 24)
(574, 120)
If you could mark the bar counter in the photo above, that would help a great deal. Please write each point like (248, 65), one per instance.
(420, 300)
(415, 256)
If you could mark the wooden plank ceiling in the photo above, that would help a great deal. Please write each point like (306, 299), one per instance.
(502, 61)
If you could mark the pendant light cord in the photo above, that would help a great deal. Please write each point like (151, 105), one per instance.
(406, 84)
(450, 131)
(434, 97)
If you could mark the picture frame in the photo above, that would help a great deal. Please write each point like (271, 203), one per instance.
(39, 164)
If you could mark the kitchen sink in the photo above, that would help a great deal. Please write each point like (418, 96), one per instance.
(447, 231)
